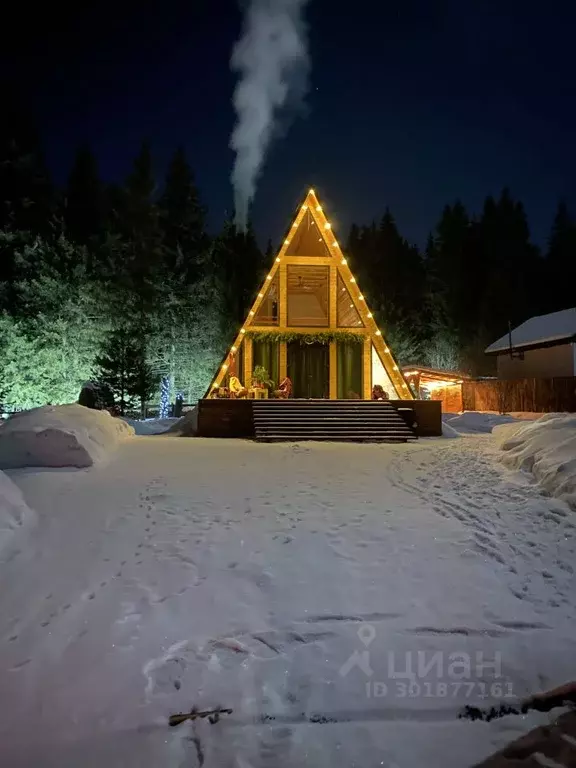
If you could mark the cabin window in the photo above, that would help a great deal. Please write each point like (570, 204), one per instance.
(347, 314)
(307, 240)
(308, 295)
(267, 313)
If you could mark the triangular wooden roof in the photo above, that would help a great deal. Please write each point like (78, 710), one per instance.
(310, 241)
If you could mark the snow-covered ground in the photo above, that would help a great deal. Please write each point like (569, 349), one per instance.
(14, 512)
(294, 583)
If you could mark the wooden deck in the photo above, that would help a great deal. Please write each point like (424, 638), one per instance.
(235, 418)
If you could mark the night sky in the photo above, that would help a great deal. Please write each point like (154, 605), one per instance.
(411, 104)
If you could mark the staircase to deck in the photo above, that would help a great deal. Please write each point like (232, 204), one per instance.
(350, 420)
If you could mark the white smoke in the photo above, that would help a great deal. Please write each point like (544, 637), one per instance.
(272, 60)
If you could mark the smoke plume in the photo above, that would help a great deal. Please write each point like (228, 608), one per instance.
(271, 58)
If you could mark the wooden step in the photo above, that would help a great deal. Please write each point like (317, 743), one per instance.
(336, 420)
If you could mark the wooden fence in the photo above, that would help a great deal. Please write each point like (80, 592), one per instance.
(535, 395)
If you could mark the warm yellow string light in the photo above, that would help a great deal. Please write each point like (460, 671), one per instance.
(369, 315)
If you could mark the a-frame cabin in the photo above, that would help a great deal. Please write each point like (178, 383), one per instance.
(310, 322)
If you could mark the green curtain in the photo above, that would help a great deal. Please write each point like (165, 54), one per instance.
(240, 363)
(267, 354)
(308, 369)
(349, 362)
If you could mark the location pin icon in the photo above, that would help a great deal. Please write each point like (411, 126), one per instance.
(366, 633)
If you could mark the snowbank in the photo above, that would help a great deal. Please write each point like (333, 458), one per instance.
(151, 426)
(547, 448)
(473, 422)
(448, 431)
(14, 512)
(60, 436)
(187, 426)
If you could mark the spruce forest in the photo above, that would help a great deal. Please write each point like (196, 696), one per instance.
(124, 283)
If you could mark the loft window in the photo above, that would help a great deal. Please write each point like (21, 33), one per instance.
(308, 295)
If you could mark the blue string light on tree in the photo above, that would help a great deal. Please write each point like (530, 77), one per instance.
(165, 397)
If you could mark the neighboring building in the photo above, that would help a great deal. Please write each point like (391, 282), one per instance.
(310, 323)
(436, 384)
(543, 347)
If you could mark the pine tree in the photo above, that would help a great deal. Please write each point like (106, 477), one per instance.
(391, 274)
(240, 269)
(449, 268)
(182, 219)
(122, 366)
(55, 326)
(510, 265)
(84, 212)
(560, 261)
(143, 382)
(399, 275)
(141, 239)
(27, 198)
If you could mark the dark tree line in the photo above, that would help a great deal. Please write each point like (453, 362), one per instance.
(123, 281)
(444, 305)
(91, 270)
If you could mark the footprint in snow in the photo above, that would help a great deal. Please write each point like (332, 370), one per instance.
(21, 664)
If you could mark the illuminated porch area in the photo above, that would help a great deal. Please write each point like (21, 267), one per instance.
(325, 364)
(437, 384)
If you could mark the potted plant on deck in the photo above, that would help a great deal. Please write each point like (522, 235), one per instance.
(261, 378)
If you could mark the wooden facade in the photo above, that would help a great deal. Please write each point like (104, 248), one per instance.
(310, 294)
(547, 361)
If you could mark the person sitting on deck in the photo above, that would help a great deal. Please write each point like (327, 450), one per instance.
(378, 393)
(284, 388)
(237, 391)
